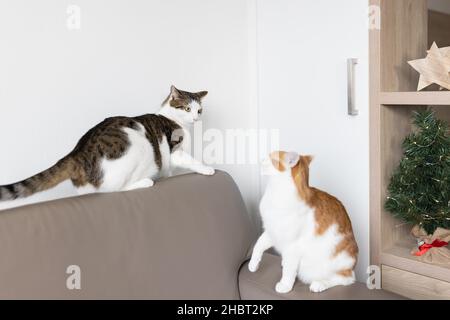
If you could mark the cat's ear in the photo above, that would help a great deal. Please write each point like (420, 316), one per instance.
(174, 93)
(201, 94)
(291, 159)
(307, 159)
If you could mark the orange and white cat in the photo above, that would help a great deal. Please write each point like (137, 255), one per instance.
(308, 227)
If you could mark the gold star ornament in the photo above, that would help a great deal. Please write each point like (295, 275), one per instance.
(435, 68)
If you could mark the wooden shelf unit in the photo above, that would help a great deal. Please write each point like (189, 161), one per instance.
(399, 256)
(425, 98)
(393, 98)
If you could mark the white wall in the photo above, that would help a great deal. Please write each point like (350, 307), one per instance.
(55, 84)
(303, 50)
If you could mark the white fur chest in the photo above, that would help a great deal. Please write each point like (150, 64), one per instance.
(285, 217)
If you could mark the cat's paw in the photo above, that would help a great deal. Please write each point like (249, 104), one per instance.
(207, 171)
(144, 183)
(253, 265)
(283, 288)
(318, 286)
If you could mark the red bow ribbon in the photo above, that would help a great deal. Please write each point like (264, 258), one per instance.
(425, 247)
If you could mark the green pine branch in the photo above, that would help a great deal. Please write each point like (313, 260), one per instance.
(419, 190)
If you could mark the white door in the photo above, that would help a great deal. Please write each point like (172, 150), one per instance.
(303, 47)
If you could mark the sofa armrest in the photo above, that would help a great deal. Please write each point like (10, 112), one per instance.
(260, 285)
(184, 238)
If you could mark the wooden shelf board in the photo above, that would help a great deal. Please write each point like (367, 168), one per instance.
(423, 98)
(399, 256)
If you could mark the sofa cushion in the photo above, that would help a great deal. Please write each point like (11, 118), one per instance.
(261, 286)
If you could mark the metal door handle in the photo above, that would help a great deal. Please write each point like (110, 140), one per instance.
(352, 110)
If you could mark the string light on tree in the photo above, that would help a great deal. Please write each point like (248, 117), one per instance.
(419, 190)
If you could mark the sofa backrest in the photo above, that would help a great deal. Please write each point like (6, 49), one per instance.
(184, 238)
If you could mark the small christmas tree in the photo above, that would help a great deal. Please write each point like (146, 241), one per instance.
(419, 191)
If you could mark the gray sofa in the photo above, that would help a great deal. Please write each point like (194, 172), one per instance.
(188, 237)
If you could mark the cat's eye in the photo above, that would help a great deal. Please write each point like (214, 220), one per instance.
(200, 111)
(187, 109)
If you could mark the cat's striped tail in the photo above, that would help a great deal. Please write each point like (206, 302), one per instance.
(45, 180)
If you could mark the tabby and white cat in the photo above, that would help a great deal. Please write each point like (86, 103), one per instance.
(308, 227)
(123, 153)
